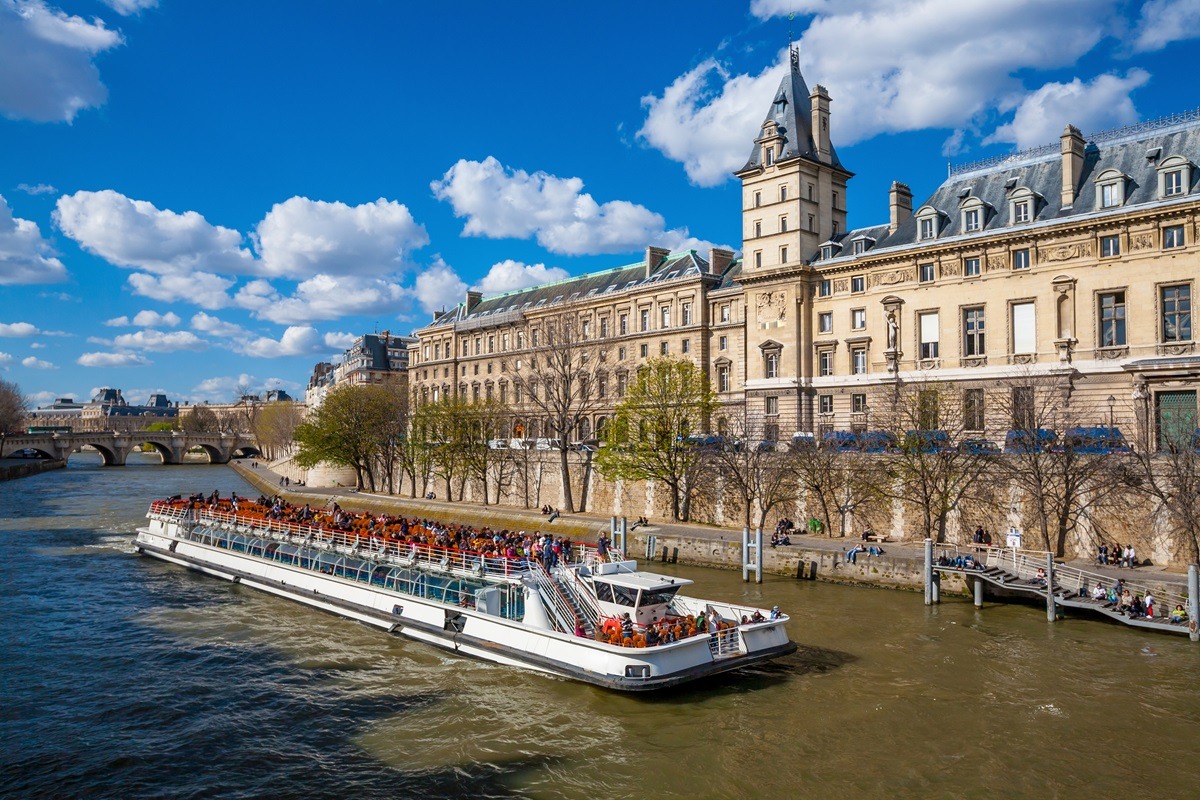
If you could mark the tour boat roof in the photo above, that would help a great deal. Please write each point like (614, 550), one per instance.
(643, 580)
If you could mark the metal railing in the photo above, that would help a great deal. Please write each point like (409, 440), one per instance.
(564, 614)
(585, 600)
(1069, 580)
(725, 643)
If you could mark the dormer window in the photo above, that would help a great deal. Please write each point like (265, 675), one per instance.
(1020, 211)
(928, 223)
(829, 250)
(974, 214)
(860, 247)
(1023, 204)
(1174, 177)
(1110, 188)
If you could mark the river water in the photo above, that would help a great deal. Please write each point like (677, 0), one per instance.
(126, 677)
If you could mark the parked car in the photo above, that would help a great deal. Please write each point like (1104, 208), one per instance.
(931, 441)
(840, 441)
(585, 445)
(705, 441)
(547, 444)
(876, 442)
(1029, 441)
(978, 447)
(803, 440)
(498, 444)
(1095, 440)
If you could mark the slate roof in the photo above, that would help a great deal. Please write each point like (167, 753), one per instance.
(582, 287)
(1135, 152)
(791, 110)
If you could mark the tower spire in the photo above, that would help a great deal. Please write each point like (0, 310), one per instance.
(793, 51)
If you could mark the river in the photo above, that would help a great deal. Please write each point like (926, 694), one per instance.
(126, 677)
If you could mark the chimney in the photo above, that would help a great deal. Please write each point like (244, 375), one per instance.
(719, 260)
(654, 257)
(473, 299)
(899, 205)
(820, 122)
(1072, 164)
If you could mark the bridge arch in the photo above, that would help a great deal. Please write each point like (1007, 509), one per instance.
(170, 455)
(108, 454)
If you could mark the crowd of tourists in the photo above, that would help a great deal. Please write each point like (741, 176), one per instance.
(1116, 556)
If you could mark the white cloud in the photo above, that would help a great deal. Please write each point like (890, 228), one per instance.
(1099, 104)
(500, 202)
(112, 360)
(46, 60)
(297, 340)
(160, 341)
(328, 297)
(25, 257)
(509, 275)
(36, 346)
(302, 238)
(135, 233)
(889, 68)
(36, 399)
(339, 341)
(5, 358)
(226, 388)
(32, 362)
(18, 329)
(707, 119)
(127, 7)
(1165, 21)
(214, 326)
(201, 288)
(37, 188)
(439, 287)
(146, 319)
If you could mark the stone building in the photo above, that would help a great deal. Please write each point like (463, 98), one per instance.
(373, 358)
(1074, 264)
(108, 410)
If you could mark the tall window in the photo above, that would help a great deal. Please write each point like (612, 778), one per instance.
(645, 314)
(783, 193)
(1020, 258)
(825, 322)
(758, 259)
(1021, 211)
(1024, 328)
(973, 419)
(686, 345)
(491, 345)
(825, 362)
(825, 288)
(971, 267)
(1110, 195)
(930, 333)
(783, 224)
(925, 273)
(757, 199)
(971, 220)
(926, 228)
(771, 405)
(927, 409)
(858, 361)
(825, 404)
(1110, 246)
(772, 365)
(783, 255)
(858, 318)
(664, 317)
(722, 379)
(1173, 237)
(604, 327)
(858, 403)
(1022, 408)
(757, 228)
(1112, 319)
(622, 382)
(623, 324)
(722, 342)
(858, 283)
(1177, 313)
(662, 348)
(973, 332)
(1173, 183)
(725, 312)
(687, 313)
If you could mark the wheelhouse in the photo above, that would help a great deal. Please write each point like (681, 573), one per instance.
(645, 596)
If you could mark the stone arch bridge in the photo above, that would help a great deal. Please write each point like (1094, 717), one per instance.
(115, 446)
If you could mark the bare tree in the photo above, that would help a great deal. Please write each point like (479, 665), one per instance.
(840, 481)
(199, 419)
(748, 462)
(1168, 470)
(12, 407)
(927, 468)
(554, 371)
(275, 426)
(415, 451)
(1056, 456)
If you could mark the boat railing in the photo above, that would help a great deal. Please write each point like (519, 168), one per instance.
(585, 599)
(564, 614)
(589, 555)
(725, 643)
(409, 554)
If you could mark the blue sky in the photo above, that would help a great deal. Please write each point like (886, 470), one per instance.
(198, 196)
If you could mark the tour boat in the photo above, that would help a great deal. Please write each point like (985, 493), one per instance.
(567, 620)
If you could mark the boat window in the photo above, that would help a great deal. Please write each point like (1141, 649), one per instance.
(625, 596)
(604, 591)
(653, 597)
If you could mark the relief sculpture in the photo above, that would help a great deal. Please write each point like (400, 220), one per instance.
(1066, 252)
(772, 306)
(1142, 241)
(995, 263)
(891, 278)
(841, 285)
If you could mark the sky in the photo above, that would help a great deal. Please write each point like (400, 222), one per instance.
(197, 197)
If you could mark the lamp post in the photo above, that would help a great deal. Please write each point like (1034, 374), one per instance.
(1111, 402)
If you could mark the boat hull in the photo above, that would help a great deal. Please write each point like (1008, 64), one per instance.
(463, 631)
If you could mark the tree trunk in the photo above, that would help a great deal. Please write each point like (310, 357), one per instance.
(587, 477)
(566, 477)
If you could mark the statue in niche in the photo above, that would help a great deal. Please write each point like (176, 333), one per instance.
(892, 327)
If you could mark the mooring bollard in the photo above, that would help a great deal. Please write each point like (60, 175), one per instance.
(979, 592)
(674, 555)
(928, 572)
(1194, 601)
(1051, 611)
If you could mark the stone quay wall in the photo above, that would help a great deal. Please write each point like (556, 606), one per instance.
(10, 470)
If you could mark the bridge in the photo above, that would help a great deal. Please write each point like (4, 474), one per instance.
(115, 446)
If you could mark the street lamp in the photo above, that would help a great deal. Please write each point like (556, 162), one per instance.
(1111, 402)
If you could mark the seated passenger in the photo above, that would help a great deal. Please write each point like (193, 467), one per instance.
(1178, 614)
(757, 616)
(651, 636)
(775, 612)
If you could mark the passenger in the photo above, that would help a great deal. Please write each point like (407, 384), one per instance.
(1149, 601)
(775, 613)
(626, 627)
(1178, 615)
(757, 616)
(652, 636)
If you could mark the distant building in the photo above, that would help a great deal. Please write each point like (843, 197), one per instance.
(372, 359)
(239, 415)
(107, 410)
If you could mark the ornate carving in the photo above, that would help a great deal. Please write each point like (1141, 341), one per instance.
(1110, 353)
(1142, 241)
(1181, 349)
(995, 263)
(891, 278)
(951, 269)
(929, 363)
(1024, 358)
(974, 361)
(772, 306)
(841, 285)
(1066, 252)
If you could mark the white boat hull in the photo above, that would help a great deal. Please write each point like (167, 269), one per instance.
(485, 636)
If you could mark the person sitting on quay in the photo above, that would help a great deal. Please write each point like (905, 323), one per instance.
(1040, 578)
(1098, 594)
(1178, 615)
(1102, 556)
(1129, 557)
(852, 553)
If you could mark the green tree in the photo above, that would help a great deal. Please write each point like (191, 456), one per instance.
(161, 426)
(353, 428)
(274, 426)
(668, 400)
